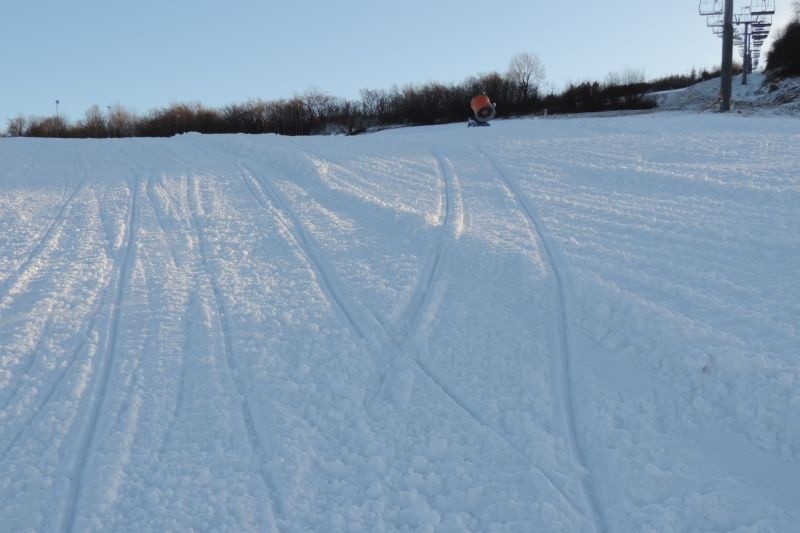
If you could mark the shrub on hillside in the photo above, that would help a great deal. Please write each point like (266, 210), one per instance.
(784, 57)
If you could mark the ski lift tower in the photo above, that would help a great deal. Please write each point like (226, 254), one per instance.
(761, 12)
(756, 19)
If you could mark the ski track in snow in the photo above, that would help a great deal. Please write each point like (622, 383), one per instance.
(395, 340)
(88, 434)
(269, 199)
(253, 438)
(564, 384)
(584, 324)
(399, 336)
(25, 265)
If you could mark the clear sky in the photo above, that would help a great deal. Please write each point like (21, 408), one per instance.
(148, 53)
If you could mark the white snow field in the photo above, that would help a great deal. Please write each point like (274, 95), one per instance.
(574, 324)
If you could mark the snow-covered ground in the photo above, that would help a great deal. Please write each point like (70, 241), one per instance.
(756, 96)
(575, 324)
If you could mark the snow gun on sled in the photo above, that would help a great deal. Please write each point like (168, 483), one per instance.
(483, 109)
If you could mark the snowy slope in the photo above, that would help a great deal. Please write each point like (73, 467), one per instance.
(585, 324)
(757, 95)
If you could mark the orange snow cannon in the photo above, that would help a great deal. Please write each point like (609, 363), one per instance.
(482, 107)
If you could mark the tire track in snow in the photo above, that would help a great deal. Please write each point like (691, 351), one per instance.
(86, 440)
(26, 367)
(452, 207)
(22, 268)
(452, 227)
(270, 200)
(418, 305)
(45, 237)
(424, 292)
(475, 416)
(254, 441)
(453, 210)
(65, 370)
(564, 392)
(160, 214)
(192, 310)
(162, 205)
(394, 339)
(55, 387)
(409, 322)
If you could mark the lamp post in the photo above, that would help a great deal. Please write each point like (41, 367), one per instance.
(57, 102)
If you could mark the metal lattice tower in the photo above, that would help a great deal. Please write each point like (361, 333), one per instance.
(752, 25)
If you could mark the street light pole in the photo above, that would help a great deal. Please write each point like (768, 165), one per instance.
(57, 102)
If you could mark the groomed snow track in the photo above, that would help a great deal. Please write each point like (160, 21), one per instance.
(584, 324)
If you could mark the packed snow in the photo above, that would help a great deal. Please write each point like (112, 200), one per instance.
(577, 324)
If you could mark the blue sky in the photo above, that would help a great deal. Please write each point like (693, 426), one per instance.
(148, 53)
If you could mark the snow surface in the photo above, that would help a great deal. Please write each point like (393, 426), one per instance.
(757, 95)
(575, 324)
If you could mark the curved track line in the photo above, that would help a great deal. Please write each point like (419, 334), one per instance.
(279, 207)
(404, 326)
(192, 305)
(87, 440)
(157, 196)
(36, 251)
(160, 215)
(270, 200)
(451, 198)
(55, 386)
(409, 322)
(463, 406)
(256, 447)
(564, 352)
(32, 359)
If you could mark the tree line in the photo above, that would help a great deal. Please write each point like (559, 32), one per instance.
(517, 92)
(784, 57)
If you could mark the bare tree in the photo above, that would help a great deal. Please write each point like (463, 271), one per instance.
(629, 76)
(527, 72)
(121, 122)
(93, 123)
(319, 106)
(16, 126)
(54, 126)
